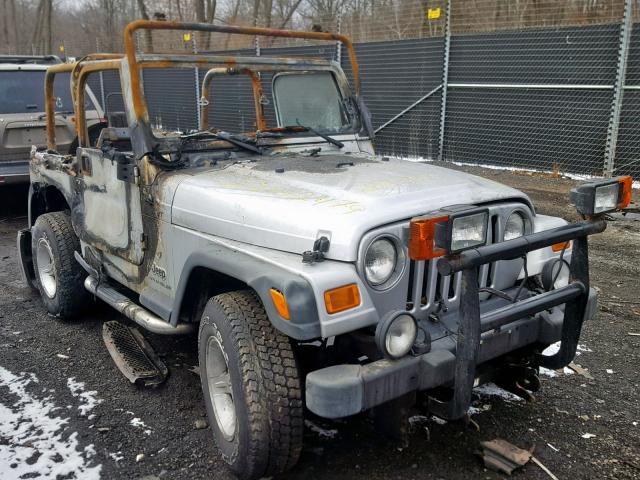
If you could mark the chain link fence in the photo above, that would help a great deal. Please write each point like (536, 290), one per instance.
(552, 86)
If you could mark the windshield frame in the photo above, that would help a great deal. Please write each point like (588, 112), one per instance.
(351, 127)
(275, 65)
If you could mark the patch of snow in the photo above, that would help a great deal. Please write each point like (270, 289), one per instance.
(438, 420)
(492, 390)
(88, 399)
(573, 176)
(588, 435)
(552, 350)
(116, 457)
(418, 419)
(476, 410)
(554, 373)
(37, 444)
(322, 432)
(138, 423)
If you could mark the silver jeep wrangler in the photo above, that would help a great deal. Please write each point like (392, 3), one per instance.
(317, 273)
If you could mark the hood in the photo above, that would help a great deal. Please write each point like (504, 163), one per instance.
(285, 203)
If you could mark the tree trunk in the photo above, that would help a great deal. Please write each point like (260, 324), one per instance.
(14, 21)
(37, 28)
(211, 14)
(148, 37)
(290, 13)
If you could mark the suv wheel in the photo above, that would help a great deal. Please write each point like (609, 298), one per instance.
(59, 277)
(251, 386)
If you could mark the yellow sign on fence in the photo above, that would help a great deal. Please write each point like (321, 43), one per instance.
(433, 13)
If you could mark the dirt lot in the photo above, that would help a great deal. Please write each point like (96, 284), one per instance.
(66, 410)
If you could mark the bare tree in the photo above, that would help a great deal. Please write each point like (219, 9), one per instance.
(148, 37)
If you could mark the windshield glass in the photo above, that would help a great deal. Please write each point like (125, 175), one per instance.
(22, 91)
(309, 99)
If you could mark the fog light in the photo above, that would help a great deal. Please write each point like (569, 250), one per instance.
(396, 334)
(555, 274)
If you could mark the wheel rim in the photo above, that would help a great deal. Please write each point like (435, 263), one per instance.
(220, 390)
(46, 268)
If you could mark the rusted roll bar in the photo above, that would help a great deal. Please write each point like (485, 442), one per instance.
(257, 94)
(49, 79)
(139, 104)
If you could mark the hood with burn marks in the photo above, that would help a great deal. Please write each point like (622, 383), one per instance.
(286, 202)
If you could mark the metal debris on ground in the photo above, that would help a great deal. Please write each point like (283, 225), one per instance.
(580, 370)
(503, 456)
(133, 355)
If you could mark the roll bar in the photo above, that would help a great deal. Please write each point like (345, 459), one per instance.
(49, 104)
(139, 105)
(257, 94)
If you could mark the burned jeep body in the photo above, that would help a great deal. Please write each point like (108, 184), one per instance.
(318, 271)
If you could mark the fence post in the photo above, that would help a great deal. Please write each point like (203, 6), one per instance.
(101, 76)
(445, 78)
(339, 43)
(197, 79)
(618, 89)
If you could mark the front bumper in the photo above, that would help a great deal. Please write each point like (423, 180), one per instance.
(484, 332)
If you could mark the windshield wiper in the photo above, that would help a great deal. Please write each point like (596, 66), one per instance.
(329, 139)
(227, 137)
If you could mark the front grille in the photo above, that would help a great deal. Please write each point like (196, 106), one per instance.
(429, 292)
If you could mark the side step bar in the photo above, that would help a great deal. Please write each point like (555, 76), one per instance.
(133, 311)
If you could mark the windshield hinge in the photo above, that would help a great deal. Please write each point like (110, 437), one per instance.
(320, 247)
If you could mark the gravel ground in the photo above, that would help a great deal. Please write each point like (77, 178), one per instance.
(66, 411)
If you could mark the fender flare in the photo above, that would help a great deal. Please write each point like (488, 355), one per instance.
(260, 276)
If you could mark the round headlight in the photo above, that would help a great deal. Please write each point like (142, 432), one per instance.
(380, 261)
(514, 227)
(396, 335)
(555, 274)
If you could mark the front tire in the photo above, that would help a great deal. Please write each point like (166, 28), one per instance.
(251, 386)
(58, 276)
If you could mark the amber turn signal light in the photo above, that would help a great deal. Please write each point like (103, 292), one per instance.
(557, 247)
(626, 183)
(342, 298)
(422, 233)
(280, 303)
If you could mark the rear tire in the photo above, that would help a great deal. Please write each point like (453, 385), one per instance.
(247, 366)
(58, 276)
